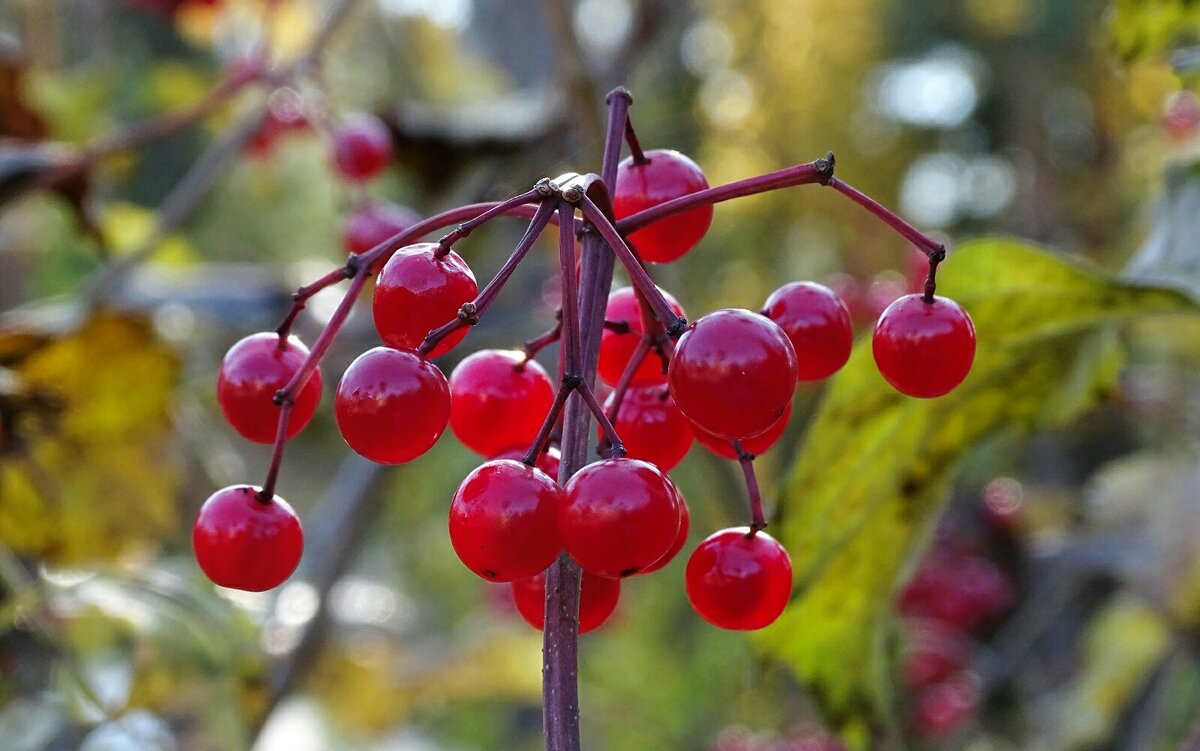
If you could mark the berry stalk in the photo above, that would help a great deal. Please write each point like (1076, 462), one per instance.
(757, 516)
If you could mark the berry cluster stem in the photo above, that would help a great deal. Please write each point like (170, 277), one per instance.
(758, 518)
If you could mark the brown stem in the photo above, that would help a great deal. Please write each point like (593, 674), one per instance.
(758, 519)
(635, 147)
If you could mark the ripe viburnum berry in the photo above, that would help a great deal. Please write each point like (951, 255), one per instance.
(738, 580)
(251, 373)
(241, 542)
(416, 292)
(756, 445)
(499, 400)
(818, 324)
(548, 461)
(664, 176)
(652, 427)
(685, 525)
(733, 373)
(616, 349)
(598, 597)
(503, 520)
(391, 405)
(924, 349)
(620, 516)
(362, 146)
(372, 223)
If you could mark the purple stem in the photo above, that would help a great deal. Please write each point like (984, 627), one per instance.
(537, 344)
(758, 518)
(610, 432)
(570, 293)
(534, 195)
(673, 324)
(927, 244)
(635, 147)
(267, 494)
(539, 442)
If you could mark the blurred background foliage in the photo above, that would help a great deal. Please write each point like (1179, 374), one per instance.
(1048, 506)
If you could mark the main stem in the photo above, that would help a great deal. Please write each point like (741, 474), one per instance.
(560, 641)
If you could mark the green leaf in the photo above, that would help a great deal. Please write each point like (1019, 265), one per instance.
(874, 467)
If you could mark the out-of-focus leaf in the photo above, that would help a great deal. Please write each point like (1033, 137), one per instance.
(88, 470)
(1141, 29)
(125, 227)
(875, 463)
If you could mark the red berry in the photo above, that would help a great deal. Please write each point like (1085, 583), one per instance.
(818, 324)
(597, 600)
(252, 371)
(757, 445)
(503, 520)
(362, 146)
(373, 223)
(943, 708)
(616, 349)
(652, 427)
(391, 405)
(738, 580)
(964, 591)
(620, 517)
(416, 292)
(934, 653)
(548, 461)
(685, 525)
(666, 176)
(733, 373)
(242, 543)
(924, 349)
(499, 400)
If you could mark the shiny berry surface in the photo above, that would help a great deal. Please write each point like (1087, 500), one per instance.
(242, 543)
(616, 349)
(498, 402)
(756, 445)
(924, 349)
(733, 373)
(598, 597)
(666, 176)
(620, 517)
(416, 292)
(391, 405)
(651, 426)
(548, 461)
(253, 370)
(362, 146)
(372, 223)
(739, 581)
(504, 520)
(685, 526)
(818, 324)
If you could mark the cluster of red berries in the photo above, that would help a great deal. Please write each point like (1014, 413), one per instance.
(728, 381)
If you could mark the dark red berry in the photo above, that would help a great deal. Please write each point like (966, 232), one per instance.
(362, 146)
(499, 400)
(416, 292)
(285, 116)
(597, 600)
(620, 517)
(392, 405)
(943, 708)
(652, 427)
(666, 176)
(933, 653)
(756, 445)
(818, 324)
(252, 371)
(548, 461)
(733, 373)
(962, 590)
(924, 349)
(616, 349)
(685, 525)
(504, 520)
(242, 543)
(372, 223)
(739, 581)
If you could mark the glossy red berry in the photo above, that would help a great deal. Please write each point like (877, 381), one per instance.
(756, 445)
(818, 324)
(666, 176)
(652, 427)
(962, 590)
(372, 223)
(733, 373)
(242, 543)
(924, 349)
(620, 517)
(362, 146)
(739, 581)
(253, 370)
(548, 461)
(392, 405)
(598, 597)
(416, 292)
(685, 525)
(616, 349)
(504, 520)
(499, 400)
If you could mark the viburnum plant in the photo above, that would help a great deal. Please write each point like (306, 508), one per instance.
(565, 532)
